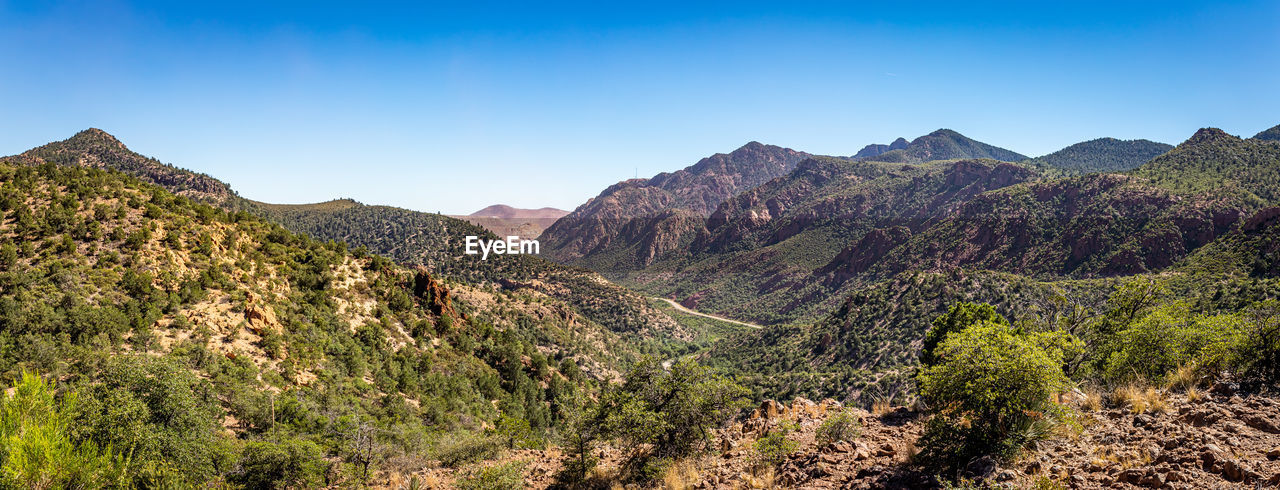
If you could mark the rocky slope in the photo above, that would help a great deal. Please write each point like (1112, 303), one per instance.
(1206, 440)
(409, 237)
(696, 189)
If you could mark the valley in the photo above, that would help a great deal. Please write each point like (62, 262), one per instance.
(962, 311)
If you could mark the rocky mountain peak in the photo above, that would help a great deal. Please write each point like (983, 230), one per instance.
(1208, 135)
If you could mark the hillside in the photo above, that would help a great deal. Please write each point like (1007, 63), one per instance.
(408, 237)
(205, 343)
(943, 144)
(507, 212)
(1216, 165)
(1101, 155)
(1272, 134)
(695, 190)
(777, 253)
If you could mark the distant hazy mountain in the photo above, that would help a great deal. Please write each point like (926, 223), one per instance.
(1102, 155)
(507, 212)
(505, 220)
(943, 144)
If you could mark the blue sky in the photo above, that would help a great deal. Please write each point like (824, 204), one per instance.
(453, 107)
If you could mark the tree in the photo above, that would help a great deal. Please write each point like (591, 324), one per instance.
(670, 413)
(36, 445)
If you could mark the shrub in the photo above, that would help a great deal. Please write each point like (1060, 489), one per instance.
(1170, 337)
(843, 426)
(462, 448)
(773, 447)
(289, 463)
(669, 412)
(960, 316)
(990, 385)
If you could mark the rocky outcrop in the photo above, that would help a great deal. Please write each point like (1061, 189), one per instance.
(432, 293)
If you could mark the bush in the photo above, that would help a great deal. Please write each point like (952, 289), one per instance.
(496, 477)
(991, 383)
(289, 463)
(1169, 337)
(960, 316)
(773, 447)
(156, 411)
(461, 448)
(669, 412)
(845, 425)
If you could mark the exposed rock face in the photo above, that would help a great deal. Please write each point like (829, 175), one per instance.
(431, 292)
(693, 191)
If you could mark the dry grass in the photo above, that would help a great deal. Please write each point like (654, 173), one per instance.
(910, 451)
(1194, 394)
(1185, 377)
(881, 406)
(681, 475)
(1131, 458)
(1092, 401)
(1140, 399)
(765, 478)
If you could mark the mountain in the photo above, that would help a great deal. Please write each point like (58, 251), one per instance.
(1101, 155)
(1214, 163)
(1035, 246)
(507, 212)
(95, 148)
(1157, 214)
(943, 144)
(767, 254)
(696, 189)
(874, 150)
(1272, 134)
(505, 220)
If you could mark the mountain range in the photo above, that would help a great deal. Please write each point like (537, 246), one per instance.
(343, 335)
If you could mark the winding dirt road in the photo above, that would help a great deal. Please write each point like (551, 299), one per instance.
(682, 309)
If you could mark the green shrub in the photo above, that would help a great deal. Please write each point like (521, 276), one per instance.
(289, 463)
(991, 383)
(844, 425)
(960, 316)
(509, 476)
(1171, 336)
(773, 447)
(461, 448)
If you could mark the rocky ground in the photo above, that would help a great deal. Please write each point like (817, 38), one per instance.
(1155, 439)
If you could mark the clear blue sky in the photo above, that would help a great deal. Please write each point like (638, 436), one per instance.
(462, 105)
